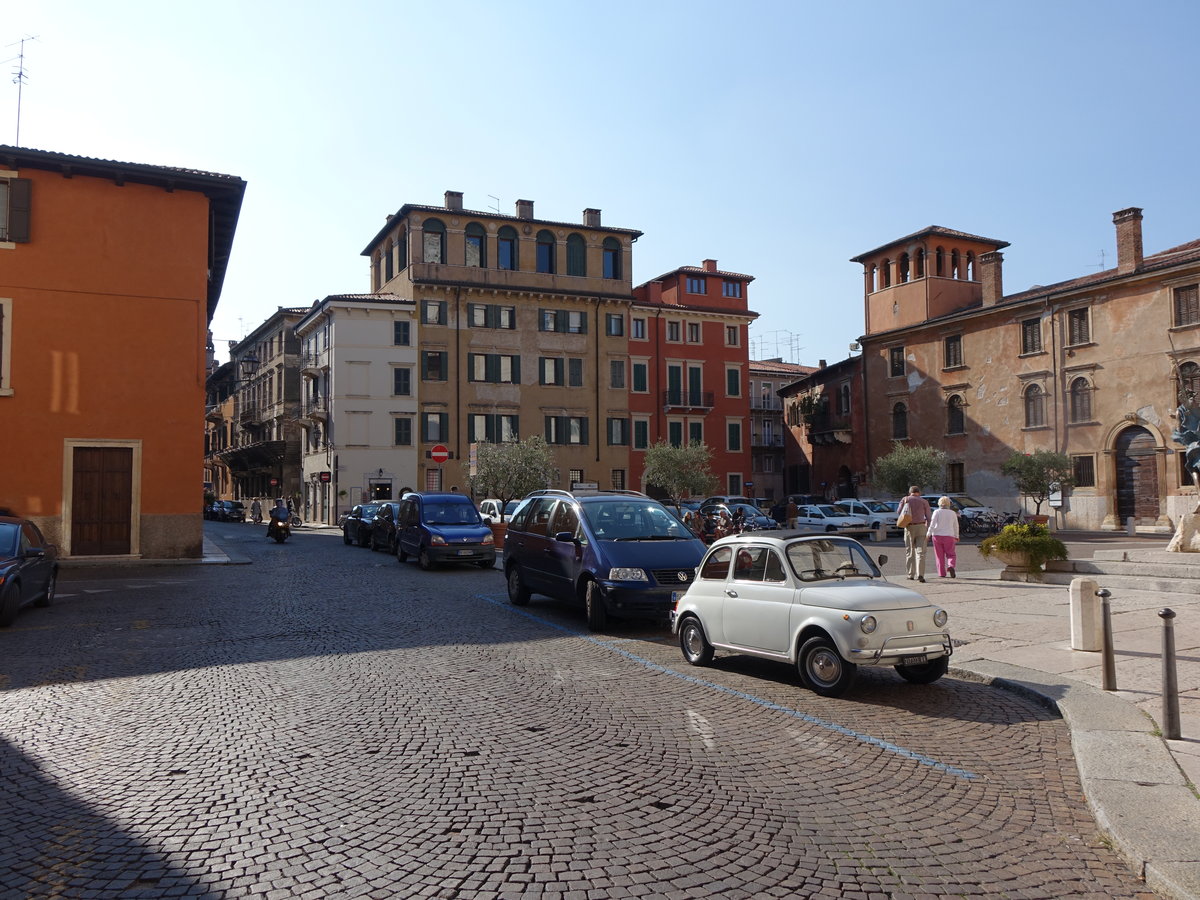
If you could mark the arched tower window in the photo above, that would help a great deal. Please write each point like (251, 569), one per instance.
(887, 273)
(1035, 406)
(546, 251)
(506, 248)
(939, 262)
(903, 268)
(1081, 400)
(899, 422)
(476, 244)
(954, 263)
(435, 242)
(612, 257)
(956, 420)
(970, 266)
(874, 278)
(920, 260)
(576, 255)
(387, 262)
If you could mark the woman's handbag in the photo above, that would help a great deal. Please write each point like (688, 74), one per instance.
(904, 519)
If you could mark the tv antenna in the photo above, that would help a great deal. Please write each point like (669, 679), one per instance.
(1101, 265)
(496, 205)
(19, 78)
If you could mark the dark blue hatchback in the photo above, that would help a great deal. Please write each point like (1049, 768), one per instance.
(443, 528)
(618, 553)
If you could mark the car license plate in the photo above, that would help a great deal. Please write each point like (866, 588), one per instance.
(675, 597)
(914, 660)
(465, 552)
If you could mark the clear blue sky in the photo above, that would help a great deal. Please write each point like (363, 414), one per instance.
(779, 138)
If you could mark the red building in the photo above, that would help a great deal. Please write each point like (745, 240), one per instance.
(689, 369)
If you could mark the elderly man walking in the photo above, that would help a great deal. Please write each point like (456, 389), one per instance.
(916, 531)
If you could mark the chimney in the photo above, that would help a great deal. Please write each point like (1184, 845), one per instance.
(454, 200)
(591, 218)
(1129, 240)
(991, 276)
(820, 363)
(524, 209)
(710, 265)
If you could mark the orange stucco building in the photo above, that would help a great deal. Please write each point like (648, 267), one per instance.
(109, 275)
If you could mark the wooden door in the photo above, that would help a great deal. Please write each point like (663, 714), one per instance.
(1137, 475)
(101, 501)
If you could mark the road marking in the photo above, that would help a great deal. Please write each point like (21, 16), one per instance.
(612, 647)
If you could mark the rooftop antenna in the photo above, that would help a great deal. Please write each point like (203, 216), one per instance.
(496, 205)
(1101, 266)
(19, 79)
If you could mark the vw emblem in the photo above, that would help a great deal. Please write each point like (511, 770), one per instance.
(682, 576)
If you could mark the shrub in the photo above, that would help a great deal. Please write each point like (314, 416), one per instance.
(1030, 538)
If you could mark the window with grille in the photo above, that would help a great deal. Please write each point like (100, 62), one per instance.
(954, 354)
(1035, 406)
(1078, 330)
(1081, 400)
(1187, 305)
(899, 422)
(618, 479)
(896, 362)
(954, 478)
(956, 420)
(1188, 378)
(1031, 336)
(1085, 470)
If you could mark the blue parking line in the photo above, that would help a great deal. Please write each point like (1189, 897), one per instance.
(887, 746)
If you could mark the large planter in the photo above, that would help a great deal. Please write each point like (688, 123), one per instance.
(1039, 520)
(498, 531)
(1018, 566)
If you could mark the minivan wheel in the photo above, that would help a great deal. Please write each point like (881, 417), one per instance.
(695, 646)
(822, 668)
(518, 594)
(597, 614)
(401, 555)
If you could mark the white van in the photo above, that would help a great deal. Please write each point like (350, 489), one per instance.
(876, 512)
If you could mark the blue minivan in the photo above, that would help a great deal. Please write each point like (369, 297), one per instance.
(616, 552)
(443, 528)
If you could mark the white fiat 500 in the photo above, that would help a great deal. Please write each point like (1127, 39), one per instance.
(818, 602)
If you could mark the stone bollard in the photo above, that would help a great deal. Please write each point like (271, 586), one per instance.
(1131, 527)
(1087, 627)
(1170, 719)
(879, 534)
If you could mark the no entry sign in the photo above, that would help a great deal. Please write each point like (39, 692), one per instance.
(439, 454)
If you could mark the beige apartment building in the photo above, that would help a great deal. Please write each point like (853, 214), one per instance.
(521, 328)
(1092, 367)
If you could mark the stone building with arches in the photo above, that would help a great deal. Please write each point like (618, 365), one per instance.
(1092, 367)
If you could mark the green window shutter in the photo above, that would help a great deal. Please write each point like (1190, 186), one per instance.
(20, 191)
(516, 370)
(583, 430)
(444, 426)
(560, 321)
(491, 368)
(575, 371)
(547, 429)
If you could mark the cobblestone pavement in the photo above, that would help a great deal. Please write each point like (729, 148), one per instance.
(329, 723)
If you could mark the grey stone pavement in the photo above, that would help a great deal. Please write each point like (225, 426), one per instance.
(1016, 636)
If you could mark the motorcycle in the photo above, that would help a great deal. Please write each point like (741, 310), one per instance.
(278, 530)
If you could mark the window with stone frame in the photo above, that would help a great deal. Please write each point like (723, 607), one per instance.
(899, 422)
(954, 478)
(1187, 305)
(1187, 378)
(1031, 336)
(1078, 327)
(1085, 470)
(956, 419)
(1081, 400)
(1035, 406)
(953, 351)
(896, 362)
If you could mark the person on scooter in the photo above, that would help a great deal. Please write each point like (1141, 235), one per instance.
(280, 515)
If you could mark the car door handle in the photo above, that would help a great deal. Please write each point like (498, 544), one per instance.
(730, 593)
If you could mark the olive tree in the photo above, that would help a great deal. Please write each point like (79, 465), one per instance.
(511, 469)
(1033, 473)
(680, 471)
(908, 466)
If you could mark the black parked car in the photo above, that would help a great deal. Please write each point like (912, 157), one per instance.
(383, 527)
(233, 511)
(28, 567)
(356, 526)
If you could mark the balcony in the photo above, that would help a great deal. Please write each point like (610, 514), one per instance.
(214, 413)
(766, 440)
(249, 413)
(771, 403)
(316, 408)
(687, 399)
(830, 429)
(313, 364)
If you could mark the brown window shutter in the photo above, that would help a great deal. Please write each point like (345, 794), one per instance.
(19, 191)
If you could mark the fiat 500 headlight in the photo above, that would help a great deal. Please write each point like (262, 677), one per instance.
(627, 574)
(940, 617)
(868, 624)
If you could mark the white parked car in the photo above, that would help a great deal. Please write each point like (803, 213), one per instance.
(819, 603)
(827, 518)
(876, 512)
(489, 511)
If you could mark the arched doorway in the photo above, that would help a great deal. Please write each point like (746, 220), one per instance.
(845, 483)
(1137, 475)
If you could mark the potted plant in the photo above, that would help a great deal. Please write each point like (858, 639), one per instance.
(1024, 549)
(1034, 473)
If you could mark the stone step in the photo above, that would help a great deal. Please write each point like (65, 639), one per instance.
(1148, 570)
(1123, 583)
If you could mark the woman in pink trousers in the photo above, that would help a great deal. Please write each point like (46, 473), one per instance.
(943, 530)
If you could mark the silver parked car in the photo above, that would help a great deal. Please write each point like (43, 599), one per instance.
(817, 602)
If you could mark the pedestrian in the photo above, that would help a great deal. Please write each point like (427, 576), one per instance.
(943, 531)
(793, 513)
(256, 510)
(915, 532)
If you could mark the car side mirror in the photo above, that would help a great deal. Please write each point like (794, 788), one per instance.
(35, 552)
(567, 537)
(882, 559)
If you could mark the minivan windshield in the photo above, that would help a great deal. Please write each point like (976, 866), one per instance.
(633, 519)
(449, 513)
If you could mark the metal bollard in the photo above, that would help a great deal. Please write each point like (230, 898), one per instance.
(1108, 660)
(1170, 723)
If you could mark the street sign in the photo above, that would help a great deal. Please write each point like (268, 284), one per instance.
(439, 454)
(274, 482)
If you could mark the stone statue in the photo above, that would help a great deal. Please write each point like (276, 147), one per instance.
(1187, 433)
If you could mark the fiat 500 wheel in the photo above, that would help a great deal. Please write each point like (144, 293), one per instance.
(695, 646)
(822, 668)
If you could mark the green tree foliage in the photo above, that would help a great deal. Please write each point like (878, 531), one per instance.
(680, 471)
(1033, 473)
(510, 470)
(906, 466)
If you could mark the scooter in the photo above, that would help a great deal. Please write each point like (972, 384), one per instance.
(278, 530)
